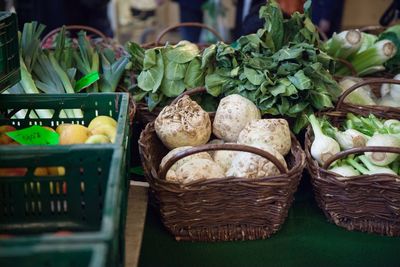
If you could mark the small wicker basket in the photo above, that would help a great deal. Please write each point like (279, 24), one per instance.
(367, 203)
(220, 209)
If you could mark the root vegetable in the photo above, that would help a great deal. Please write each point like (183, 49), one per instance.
(179, 163)
(233, 114)
(252, 166)
(273, 132)
(224, 158)
(197, 169)
(183, 124)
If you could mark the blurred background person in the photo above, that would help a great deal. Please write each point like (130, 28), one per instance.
(55, 13)
(189, 11)
(327, 15)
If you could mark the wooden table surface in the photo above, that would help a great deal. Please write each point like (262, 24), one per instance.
(137, 207)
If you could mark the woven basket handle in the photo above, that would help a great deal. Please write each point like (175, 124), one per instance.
(187, 24)
(77, 28)
(362, 83)
(359, 150)
(372, 28)
(213, 147)
(190, 92)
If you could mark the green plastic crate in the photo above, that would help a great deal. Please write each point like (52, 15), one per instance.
(112, 104)
(81, 255)
(9, 57)
(86, 202)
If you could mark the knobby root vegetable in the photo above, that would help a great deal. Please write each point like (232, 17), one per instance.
(233, 113)
(179, 163)
(197, 169)
(183, 124)
(252, 166)
(273, 132)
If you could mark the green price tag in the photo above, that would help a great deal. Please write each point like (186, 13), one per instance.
(86, 81)
(35, 135)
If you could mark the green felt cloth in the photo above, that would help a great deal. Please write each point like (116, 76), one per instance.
(306, 239)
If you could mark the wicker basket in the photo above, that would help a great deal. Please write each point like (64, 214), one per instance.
(381, 111)
(367, 203)
(223, 209)
(144, 115)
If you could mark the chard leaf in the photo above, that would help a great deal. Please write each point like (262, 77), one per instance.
(300, 80)
(194, 76)
(208, 56)
(287, 68)
(273, 17)
(320, 100)
(183, 52)
(253, 76)
(171, 88)
(175, 71)
(150, 80)
(284, 106)
(297, 108)
(150, 59)
(214, 83)
(287, 53)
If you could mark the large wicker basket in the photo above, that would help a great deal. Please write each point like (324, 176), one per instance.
(367, 203)
(221, 209)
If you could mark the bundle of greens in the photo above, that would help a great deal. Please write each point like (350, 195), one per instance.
(66, 68)
(357, 131)
(366, 52)
(279, 68)
(166, 71)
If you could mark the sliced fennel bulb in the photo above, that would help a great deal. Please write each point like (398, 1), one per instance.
(360, 96)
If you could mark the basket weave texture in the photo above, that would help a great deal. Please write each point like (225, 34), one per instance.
(367, 203)
(223, 209)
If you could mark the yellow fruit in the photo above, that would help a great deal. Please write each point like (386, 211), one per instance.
(60, 128)
(41, 171)
(102, 120)
(74, 134)
(98, 139)
(106, 130)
